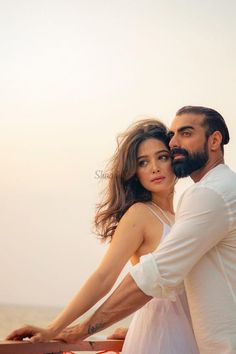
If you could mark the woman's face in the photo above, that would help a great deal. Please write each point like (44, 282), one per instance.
(154, 169)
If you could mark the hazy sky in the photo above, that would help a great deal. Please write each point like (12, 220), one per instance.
(75, 73)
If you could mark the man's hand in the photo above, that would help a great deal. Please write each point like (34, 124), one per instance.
(34, 334)
(119, 333)
(72, 335)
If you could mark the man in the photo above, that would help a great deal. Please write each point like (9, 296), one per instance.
(201, 247)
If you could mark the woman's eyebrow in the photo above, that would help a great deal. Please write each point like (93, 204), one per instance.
(157, 152)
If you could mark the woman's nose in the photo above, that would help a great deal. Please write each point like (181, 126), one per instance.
(155, 167)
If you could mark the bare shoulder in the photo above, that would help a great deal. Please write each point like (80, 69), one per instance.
(137, 212)
(141, 220)
(137, 208)
(133, 223)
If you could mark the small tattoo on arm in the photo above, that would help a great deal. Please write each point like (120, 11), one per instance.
(94, 328)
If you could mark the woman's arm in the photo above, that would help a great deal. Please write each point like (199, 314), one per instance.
(127, 239)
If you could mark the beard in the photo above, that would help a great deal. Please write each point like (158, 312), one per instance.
(190, 163)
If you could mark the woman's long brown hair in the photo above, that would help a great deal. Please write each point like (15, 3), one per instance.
(124, 189)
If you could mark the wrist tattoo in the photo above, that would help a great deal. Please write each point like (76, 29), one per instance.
(94, 328)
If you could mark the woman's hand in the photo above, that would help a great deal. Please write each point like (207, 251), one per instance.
(34, 334)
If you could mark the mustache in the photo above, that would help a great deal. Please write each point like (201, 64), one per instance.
(176, 151)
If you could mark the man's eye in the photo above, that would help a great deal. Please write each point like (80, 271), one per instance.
(186, 133)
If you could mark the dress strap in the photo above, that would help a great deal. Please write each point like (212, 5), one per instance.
(164, 213)
(156, 214)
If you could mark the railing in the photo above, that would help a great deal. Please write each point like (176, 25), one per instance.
(12, 347)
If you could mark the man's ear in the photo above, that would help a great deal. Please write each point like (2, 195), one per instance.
(215, 140)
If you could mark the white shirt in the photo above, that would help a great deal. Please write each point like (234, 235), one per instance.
(201, 251)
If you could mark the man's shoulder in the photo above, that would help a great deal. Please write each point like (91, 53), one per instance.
(221, 180)
(219, 185)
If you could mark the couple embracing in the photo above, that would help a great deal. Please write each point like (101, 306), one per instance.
(183, 279)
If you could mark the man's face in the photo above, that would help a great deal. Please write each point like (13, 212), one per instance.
(188, 144)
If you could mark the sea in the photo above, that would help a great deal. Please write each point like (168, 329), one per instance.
(15, 316)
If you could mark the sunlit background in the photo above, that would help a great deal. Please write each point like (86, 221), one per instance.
(74, 74)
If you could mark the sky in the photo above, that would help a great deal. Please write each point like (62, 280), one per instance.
(73, 75)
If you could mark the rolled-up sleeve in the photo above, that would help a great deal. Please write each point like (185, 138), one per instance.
(201, 223)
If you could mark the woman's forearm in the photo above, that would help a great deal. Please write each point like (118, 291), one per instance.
(91, 292)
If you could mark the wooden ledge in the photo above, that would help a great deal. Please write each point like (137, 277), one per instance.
(13, 347)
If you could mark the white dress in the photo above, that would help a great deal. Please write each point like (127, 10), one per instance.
(162, 326)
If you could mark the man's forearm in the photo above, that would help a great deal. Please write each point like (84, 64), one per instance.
(126, 299)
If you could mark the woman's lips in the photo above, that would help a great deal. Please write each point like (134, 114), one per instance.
(157, 179)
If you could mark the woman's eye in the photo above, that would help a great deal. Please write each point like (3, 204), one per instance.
(142, 163)
(164, 157)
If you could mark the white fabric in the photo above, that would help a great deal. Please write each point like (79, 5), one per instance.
(162, 326)
(201, 250)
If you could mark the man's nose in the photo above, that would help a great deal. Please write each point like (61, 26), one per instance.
(173, 143)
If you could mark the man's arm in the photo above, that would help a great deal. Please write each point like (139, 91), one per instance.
(126, 299)
(202, 223)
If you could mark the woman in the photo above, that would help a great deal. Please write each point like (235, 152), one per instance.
(136, 214)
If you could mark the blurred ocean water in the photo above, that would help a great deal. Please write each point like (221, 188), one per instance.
(13, 316)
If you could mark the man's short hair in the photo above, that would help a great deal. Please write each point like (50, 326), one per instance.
(213, 121)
